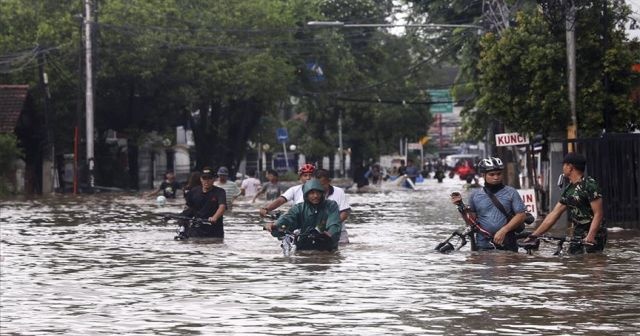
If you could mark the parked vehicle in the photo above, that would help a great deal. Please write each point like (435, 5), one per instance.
(451, 160)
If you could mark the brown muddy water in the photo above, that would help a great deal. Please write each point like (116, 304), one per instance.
(106, 264)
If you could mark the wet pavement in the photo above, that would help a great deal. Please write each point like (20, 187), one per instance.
(107, 264)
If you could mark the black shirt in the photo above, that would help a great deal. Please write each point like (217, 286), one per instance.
(205, 205)
(169, 189)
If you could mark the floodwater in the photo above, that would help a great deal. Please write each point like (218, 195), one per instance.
(106, 265)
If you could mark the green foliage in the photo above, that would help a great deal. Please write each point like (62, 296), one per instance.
(517, 76)
(159, 61)
(225, 68)
(229, 68)
(378, 71)
(521, 77)
(9, 152)
(289, 176)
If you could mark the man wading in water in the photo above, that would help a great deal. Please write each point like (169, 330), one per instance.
(583, 199)
(500, 223)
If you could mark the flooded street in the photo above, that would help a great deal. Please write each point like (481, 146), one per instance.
(107, 264)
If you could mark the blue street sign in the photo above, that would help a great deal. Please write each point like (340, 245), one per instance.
(281, 163)
(282, 135)
(316, 74)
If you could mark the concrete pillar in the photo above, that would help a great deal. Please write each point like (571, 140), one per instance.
(47, 177)
(555, 170)
(512, 178)
(20, 176)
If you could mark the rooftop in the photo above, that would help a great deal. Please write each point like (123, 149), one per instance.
(12, 99)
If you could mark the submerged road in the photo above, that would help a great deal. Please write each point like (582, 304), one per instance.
(104, 265)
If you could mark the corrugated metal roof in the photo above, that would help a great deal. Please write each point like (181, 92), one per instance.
(12, 98)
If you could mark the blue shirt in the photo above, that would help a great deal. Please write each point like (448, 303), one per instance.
(489, 216)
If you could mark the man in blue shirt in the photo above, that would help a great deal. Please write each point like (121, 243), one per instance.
(488, 215)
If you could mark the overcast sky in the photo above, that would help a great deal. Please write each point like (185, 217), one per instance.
(635, 33)
(635, 6)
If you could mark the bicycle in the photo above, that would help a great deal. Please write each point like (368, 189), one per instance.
(468, 235)
(287, 241)
(465, 236)
(189, 226)
(532, 243)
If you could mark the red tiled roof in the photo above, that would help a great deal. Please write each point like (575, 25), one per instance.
(12, 99)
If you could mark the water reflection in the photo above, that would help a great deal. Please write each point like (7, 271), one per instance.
(107, 264)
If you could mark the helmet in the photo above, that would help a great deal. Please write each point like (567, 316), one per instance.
(307, 168)
(490, 164)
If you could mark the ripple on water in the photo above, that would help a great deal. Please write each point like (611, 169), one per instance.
(106, 264)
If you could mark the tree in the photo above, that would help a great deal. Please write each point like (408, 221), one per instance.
(523, 76)
(373, 79)
(520, 79)
(9, 152)
(214, 66)
(222, 69)
(532, 52)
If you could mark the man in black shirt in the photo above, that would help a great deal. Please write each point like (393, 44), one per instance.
(206, 202)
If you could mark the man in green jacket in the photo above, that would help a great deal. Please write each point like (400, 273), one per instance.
(317, 219)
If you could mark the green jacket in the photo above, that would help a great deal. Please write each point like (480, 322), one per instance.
(306, 216)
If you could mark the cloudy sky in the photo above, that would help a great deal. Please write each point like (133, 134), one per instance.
(635, 6)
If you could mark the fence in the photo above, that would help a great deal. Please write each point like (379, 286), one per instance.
(614, 161)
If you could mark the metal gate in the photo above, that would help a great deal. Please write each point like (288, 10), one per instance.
(614, 161)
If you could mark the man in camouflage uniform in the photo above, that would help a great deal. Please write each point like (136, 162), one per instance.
(584, 200)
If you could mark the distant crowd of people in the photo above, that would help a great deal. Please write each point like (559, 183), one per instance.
(249, 187)
(375, 174)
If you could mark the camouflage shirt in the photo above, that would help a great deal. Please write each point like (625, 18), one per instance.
(578, 197)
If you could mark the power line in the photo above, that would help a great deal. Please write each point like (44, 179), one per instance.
(292, 48)
(399, 102)
(19, 61)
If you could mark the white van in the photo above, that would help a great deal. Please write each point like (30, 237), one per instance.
(451, 160)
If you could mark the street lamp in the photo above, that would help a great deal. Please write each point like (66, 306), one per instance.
(339, 24)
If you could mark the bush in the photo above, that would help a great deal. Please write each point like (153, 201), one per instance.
(9, 153)
(289, 176)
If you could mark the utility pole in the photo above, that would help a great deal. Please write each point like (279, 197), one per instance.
(340, 149)
(606, 83)
(441, 140)
(556, 142)
(89, 90)
(572, 128)
(49, 175)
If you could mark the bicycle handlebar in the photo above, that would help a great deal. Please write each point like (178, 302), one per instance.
(168, 216)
